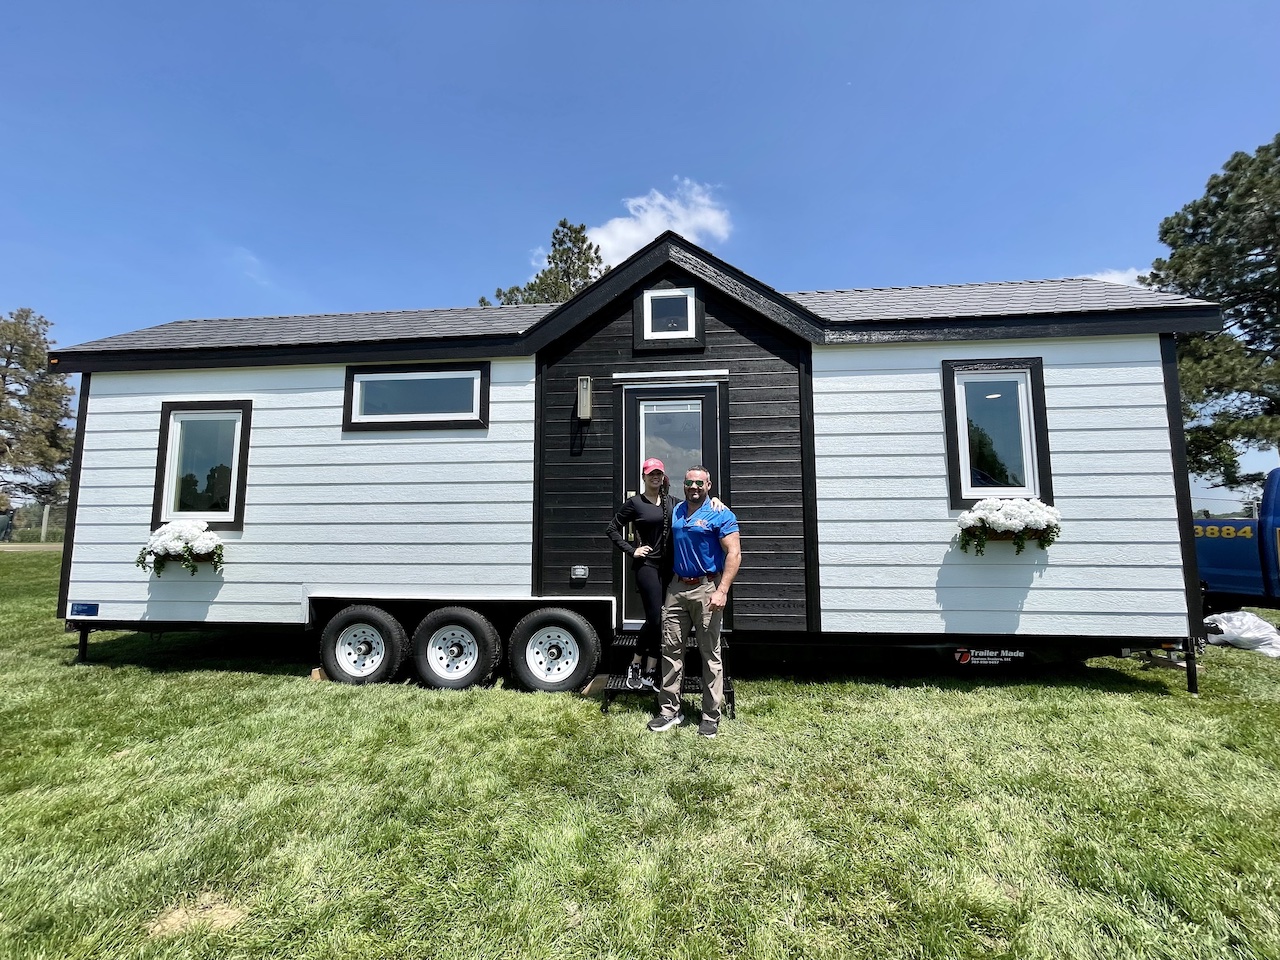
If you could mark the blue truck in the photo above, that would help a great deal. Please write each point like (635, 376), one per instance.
(1239, 560)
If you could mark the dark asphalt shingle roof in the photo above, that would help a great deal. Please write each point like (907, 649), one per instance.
(1013, 298)
(465, 322)
(841, 308)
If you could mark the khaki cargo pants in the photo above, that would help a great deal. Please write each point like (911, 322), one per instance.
(687, 606)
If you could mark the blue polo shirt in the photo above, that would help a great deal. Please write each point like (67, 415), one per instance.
(696, 538)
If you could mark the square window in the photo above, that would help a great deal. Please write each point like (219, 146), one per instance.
(418, 397)
(201, 463)
(997, 443)
(669, 314)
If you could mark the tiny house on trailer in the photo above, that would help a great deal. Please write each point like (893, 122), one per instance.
(437, 482)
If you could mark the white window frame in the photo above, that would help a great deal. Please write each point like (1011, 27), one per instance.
(360, 379)
(1022, 376)
(177, 418)
(669, 293)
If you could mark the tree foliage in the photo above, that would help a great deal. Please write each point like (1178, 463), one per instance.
(1225, 247)
(573, 263)
(35, 445)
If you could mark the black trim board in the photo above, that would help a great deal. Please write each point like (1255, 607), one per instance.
(454, 348)
(1106, 323)
(167, 410)
(73, 497)
(539, 460)
(1182, 491)
(809, 490)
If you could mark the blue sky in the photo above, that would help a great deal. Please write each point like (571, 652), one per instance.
(165, 160)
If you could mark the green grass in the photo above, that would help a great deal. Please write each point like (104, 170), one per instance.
(1099, 812)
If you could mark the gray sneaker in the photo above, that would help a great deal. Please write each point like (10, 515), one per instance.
(660, 723)
(708, 728)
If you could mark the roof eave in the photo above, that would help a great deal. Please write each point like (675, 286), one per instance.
(1196, 319)
(173, 358)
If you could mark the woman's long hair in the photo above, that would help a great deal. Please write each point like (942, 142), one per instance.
(664, 493)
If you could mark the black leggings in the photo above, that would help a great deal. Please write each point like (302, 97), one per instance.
(653, 587)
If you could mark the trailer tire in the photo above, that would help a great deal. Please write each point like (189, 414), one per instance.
(362, 644)
(553, 650)
(455, 648)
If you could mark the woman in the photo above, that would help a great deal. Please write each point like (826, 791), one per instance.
(650, 512)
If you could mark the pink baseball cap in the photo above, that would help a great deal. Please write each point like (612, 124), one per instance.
(652, 464)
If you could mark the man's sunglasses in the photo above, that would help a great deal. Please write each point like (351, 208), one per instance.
(695, 483)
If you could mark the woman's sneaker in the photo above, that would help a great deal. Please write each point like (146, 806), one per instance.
(661, 723)
(633, 680)
(649, 680)
(708, 728)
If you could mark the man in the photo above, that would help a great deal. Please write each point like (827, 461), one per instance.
(707, 556)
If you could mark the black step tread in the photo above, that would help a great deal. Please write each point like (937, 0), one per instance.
(690, 684)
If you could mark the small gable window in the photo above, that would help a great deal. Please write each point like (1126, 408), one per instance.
(418, 397)
(668, 317)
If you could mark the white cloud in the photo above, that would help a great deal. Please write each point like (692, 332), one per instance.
(247, 263)
(1128, 277)
(690, 211)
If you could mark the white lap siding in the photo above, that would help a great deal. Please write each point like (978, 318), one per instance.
(885, 526)
(426, 513)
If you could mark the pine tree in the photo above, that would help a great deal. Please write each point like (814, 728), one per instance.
(35, 444)
(1225, 247)
(573, 264)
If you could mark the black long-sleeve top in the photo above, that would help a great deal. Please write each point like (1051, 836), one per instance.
(652, 524)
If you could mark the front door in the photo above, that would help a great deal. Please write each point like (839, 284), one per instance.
(680, 425)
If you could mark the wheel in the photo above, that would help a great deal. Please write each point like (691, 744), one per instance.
(454, 648)
(362, 644)
(553, 650)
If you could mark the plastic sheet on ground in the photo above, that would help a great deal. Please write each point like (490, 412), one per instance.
(1245, 630)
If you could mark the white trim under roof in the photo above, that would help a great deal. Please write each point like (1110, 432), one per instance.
(677, 375)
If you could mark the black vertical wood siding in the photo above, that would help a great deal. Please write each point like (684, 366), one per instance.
(578, 486)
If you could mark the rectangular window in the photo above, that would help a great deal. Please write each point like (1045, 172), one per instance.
(669, 314)
(997, 435)
(419, 397)
(201, 463)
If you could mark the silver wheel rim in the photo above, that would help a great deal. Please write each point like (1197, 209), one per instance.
(452, 652)
(552, 654)
(361, 649)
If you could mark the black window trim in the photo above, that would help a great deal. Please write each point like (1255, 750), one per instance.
(167, 409)
(480, 422)
(1034, 366)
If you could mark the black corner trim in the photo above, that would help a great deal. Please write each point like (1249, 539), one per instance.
(349, 424)
(73, 496)
(808, 456)
(167, 409)
(1039, 416)
(1182, 492)
(539, 476)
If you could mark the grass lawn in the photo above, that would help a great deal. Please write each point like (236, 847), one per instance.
(197, 796)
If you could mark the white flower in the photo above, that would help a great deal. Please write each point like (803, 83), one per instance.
(1010, 515)
(171, 539)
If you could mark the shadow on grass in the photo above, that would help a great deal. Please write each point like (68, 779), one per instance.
(910, 668)
(234, 650)
(294, 653)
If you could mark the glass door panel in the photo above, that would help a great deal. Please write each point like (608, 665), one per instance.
(681, 427)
